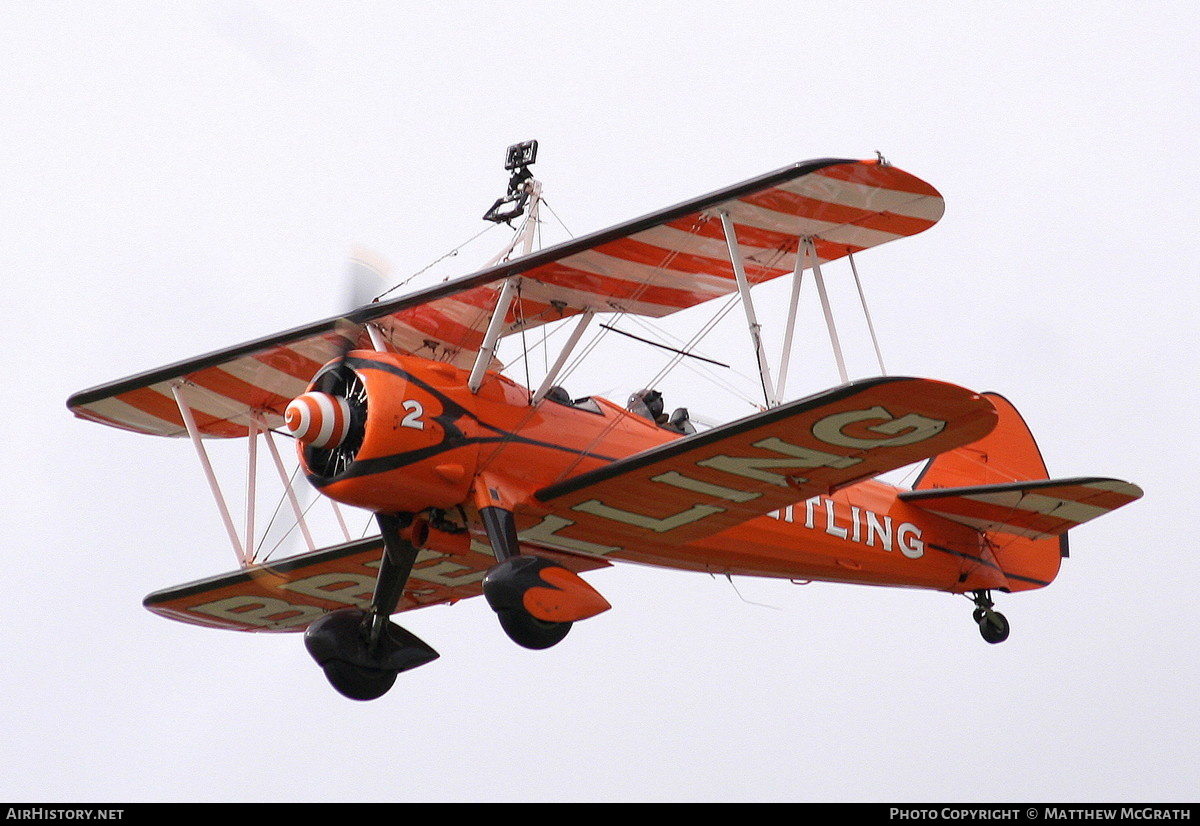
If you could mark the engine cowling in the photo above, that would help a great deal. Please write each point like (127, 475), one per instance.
(383, 432)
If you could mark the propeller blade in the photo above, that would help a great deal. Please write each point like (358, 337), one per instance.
(366, 274)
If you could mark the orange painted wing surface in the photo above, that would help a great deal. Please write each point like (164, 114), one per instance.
(288, 595)
(706, 483)
(1036, 510)
(679, 257)
(654, 265)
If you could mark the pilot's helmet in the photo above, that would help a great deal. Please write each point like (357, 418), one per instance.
(647, 403)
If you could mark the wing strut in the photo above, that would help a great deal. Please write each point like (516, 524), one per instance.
(790, 329)
(567, 349)
(252, 428)
(484, 357)
(833, 336)
(377, 338)
(806, 256)
(735, 258)
(524, 237)
(863, 298)
(244, 548)
(291, 494)
(189, 421)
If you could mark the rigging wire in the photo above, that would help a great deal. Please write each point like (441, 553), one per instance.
(291, 485)
(452, 253)
(546, 204)
(274, 515)
(289, 531)
(708, 327)
(705, 330)
(706, 373)
(762, 268)
(662, 346)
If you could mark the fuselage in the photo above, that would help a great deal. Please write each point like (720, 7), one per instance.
(430, 443)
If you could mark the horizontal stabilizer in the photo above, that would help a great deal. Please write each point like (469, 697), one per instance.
(290, 594)
(1035, 509)
(711, 481)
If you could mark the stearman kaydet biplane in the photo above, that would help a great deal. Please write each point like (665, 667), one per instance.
(479, 485)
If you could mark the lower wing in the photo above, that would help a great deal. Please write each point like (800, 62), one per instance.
(706, 483)
(290, 594)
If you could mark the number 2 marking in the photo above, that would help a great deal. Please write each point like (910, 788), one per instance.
(415, 412)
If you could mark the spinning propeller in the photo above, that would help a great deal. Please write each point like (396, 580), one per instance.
(329, 419)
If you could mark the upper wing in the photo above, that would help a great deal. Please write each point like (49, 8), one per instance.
(1036, 509)
(288, 595)
(708, 482)
(654, 265)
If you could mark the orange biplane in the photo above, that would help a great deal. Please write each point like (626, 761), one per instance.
(479, 485)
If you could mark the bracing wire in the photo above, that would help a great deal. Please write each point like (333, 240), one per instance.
(453, 252)
(546, 204)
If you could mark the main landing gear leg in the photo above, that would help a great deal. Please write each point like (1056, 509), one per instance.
(993, 626)
(361, 652)
(507, 581)
(535, 599)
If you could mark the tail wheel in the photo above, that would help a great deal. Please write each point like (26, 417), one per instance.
(993, 627)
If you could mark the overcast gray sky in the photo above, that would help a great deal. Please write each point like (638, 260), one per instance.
(181, 177)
